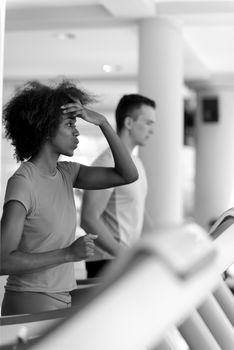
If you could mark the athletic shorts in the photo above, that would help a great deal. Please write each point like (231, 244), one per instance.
(15, 303)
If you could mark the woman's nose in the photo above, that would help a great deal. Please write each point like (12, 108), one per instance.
(76, 132)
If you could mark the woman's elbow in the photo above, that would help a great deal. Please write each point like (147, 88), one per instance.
(6, 266)
(3, 268)
(3, 272)
(132, 178)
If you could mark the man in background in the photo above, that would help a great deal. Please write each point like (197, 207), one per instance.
(117, 215)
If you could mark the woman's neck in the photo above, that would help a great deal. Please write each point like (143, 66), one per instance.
(45, 162)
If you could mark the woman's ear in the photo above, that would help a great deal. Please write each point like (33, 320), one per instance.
(128, 123)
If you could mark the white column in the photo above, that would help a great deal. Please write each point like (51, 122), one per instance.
(161, 78)
(214, 183)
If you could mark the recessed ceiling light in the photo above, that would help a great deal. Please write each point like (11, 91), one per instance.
(64, 36)
(108, 68)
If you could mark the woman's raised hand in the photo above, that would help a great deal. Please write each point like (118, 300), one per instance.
(93, 117)
(79, 111)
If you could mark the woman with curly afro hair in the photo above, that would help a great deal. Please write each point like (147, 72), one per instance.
(38, 224)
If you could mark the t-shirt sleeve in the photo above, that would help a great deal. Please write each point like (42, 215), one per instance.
(19, 189)
(71, 169)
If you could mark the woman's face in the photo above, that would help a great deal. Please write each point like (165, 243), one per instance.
(65, 140)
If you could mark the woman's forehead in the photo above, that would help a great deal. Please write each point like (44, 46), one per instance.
(69, 116)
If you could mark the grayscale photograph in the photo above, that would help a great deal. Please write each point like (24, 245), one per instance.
(117, 174)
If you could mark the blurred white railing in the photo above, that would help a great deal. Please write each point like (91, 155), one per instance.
(171, 281)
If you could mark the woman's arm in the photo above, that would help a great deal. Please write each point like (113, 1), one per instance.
(15, 261)
(124, 170)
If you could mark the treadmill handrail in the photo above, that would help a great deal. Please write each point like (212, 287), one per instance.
(225, 220)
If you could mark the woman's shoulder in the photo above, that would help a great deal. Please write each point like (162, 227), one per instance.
(70, 168)
(25, 170)
(22, 179)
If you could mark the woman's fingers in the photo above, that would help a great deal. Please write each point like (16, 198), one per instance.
(72, 108)
(77, 110)
(91, 235)
(90, 245)
(89, 252)
(74, 103)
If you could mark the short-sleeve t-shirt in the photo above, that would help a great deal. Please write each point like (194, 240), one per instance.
(124, 212)
(50, 223)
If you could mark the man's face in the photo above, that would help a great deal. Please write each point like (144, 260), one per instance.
(142, 126)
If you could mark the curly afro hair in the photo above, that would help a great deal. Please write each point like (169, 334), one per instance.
(33, 114)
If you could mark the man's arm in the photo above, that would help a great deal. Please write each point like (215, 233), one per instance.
(93, 205)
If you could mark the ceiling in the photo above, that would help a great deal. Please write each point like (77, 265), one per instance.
(106, 32)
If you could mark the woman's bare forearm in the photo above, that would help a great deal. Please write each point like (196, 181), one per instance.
(122, 158)
(18, 262)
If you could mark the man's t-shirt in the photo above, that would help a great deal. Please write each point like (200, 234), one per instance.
(50, 223)
(124, 213)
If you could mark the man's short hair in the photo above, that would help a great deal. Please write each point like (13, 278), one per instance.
(127, 104)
